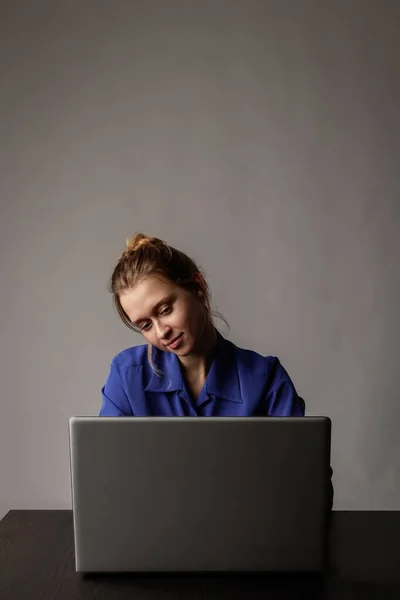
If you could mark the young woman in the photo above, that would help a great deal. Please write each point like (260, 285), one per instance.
(187, 368)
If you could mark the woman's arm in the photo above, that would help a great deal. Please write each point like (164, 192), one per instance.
(115, 401)
(281, 397)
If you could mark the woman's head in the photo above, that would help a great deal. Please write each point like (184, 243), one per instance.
(161, 292)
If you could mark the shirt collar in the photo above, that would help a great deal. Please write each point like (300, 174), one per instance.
(222, 379)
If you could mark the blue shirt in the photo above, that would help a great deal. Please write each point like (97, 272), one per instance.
(240, 383)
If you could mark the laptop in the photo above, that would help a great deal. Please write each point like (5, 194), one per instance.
(228, 494)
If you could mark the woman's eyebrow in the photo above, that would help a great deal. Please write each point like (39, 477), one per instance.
(156, 307)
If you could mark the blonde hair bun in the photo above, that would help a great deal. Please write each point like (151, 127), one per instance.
(140, 240)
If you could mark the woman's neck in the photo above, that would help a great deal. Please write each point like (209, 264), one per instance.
(196, 365)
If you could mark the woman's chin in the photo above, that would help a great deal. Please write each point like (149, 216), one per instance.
(184, 349)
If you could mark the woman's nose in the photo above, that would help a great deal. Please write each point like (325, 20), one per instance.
(163, 331)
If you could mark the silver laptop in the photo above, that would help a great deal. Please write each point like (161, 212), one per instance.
(200, 494)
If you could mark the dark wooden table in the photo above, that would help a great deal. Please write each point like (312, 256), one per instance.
(37, 562)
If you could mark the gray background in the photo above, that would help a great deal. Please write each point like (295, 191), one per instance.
(260, 137)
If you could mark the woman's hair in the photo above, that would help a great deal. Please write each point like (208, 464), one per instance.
(145, 255)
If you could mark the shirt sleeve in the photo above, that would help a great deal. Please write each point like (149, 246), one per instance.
(281, 397)
(115, 401)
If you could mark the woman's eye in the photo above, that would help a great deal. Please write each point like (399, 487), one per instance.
(166, 310)
(145, 327)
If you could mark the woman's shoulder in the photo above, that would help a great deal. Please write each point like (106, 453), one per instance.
(131, 357)
(267, 367)
(252, 360)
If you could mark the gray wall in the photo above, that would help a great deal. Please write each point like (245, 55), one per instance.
(260, 137)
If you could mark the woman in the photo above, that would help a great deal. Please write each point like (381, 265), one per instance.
(188, 368)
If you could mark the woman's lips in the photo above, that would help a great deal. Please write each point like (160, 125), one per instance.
(174, 344)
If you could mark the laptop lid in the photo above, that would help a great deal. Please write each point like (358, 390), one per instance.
(199, 494)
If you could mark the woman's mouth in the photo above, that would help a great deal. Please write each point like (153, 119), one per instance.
(175, 343)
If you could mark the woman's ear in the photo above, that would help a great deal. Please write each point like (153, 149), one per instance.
(200, 284)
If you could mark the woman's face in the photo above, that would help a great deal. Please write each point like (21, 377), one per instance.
(169, 317)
